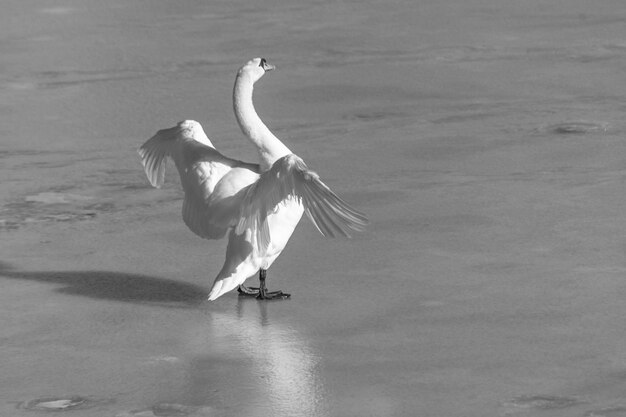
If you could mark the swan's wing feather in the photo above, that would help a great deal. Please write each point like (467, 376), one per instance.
(186, 138)
(289, 177)
(200, 167)
(339, 209)
(153, 157)
(318, 217)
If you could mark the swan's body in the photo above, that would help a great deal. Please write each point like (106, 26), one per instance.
(259, 206)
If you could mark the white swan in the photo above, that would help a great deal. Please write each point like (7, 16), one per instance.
(258, 205)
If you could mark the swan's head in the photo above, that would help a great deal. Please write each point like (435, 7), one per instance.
(255, 68)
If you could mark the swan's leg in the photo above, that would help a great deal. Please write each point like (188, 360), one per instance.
(264, 294)
(261, 292)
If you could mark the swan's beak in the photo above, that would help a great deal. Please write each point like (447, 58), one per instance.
(268, 67)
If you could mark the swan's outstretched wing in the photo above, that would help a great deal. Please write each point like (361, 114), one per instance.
(172, 142)
(200, 167)
(289, 177)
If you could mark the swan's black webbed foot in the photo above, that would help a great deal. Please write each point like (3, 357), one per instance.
(272, 295)
(247, 291)
(261, 293)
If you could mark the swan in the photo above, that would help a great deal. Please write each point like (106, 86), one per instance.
(258, 205)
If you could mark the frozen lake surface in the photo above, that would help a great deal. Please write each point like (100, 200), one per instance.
(484, 139)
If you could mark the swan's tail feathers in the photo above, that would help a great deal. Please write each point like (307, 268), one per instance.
(238, 266)
(164, 143)
(224, 284)
(216, 291)
(289, 177)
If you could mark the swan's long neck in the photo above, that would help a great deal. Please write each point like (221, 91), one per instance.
(270, 148)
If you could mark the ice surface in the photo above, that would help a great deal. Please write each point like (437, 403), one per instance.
(484, 139)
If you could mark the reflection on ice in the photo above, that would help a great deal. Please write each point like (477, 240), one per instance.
(170, 410)
(255, 366)
(542, 402)
(577, 127)
(615, 411)
(63, 404)
(57, 10)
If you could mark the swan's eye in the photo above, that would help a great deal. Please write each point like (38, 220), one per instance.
(263, 62)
